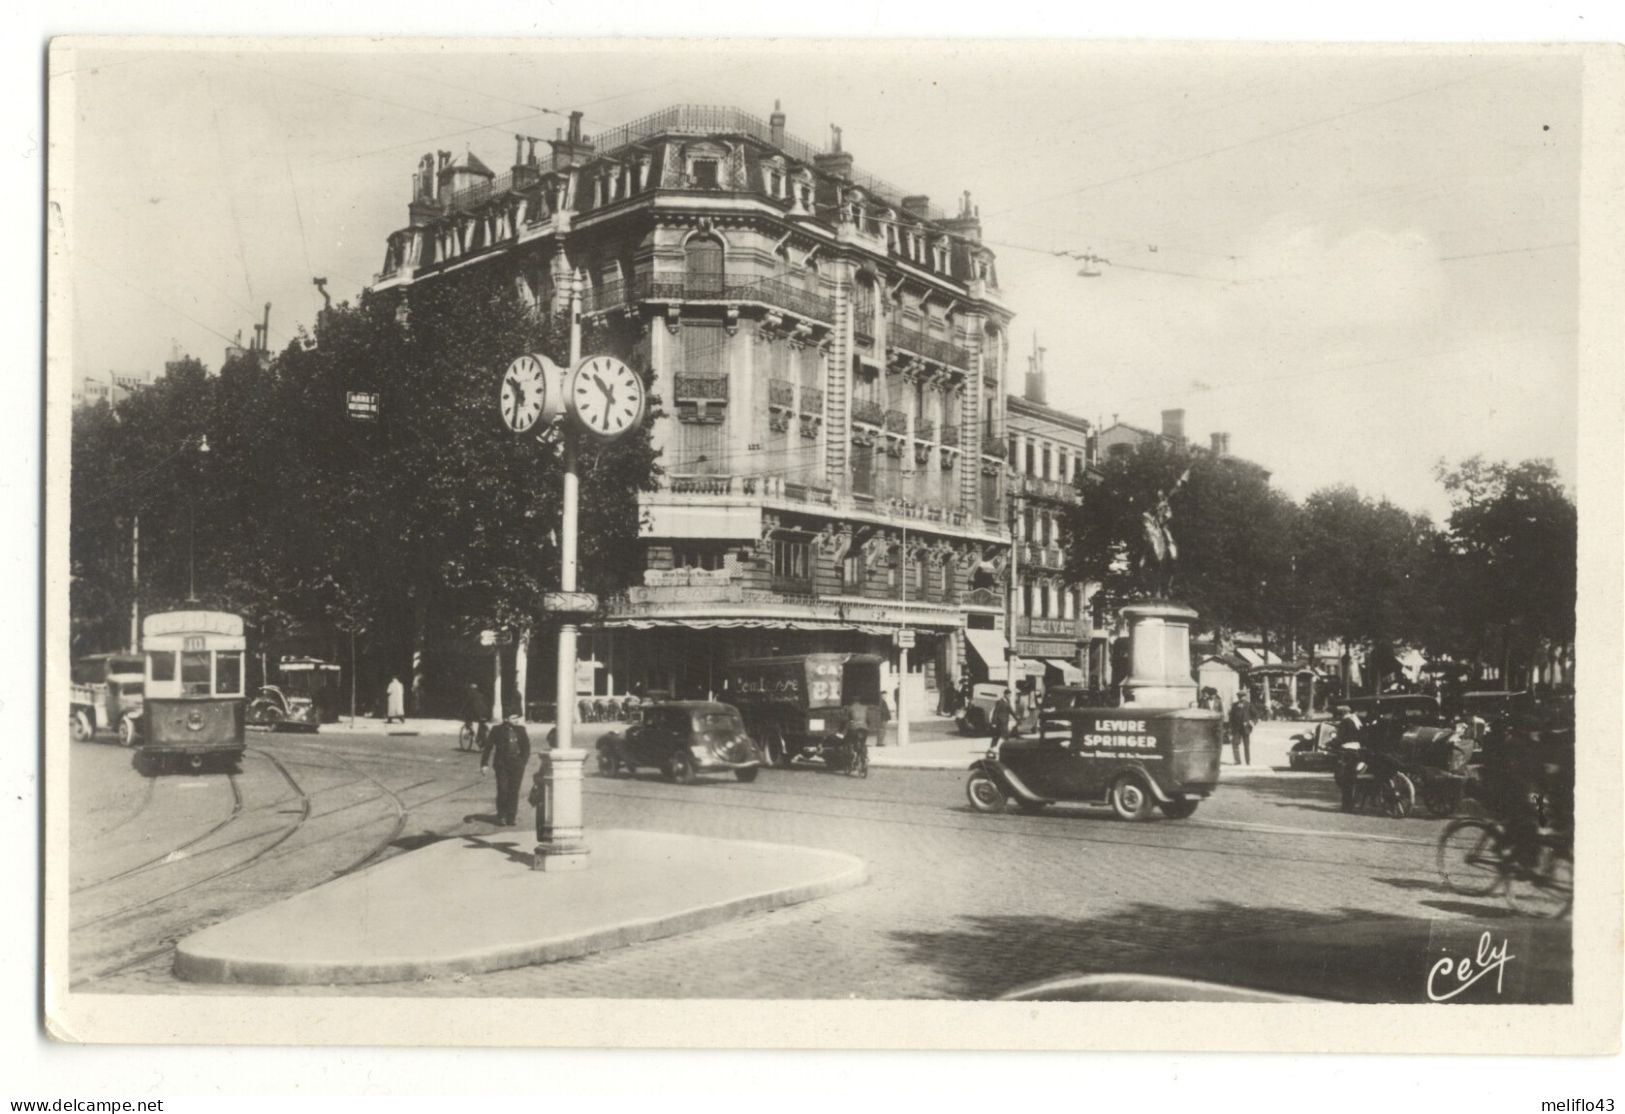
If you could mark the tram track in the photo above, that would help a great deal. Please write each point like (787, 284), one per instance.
(147, 794)
(1021, 826)
(401, 814)
(157, 860)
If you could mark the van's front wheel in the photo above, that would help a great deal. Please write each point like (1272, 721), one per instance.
(984, 793)
(1130, 798)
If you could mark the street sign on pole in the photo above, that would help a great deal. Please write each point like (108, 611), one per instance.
(905, 638)
(569, 603)
(362, 406)
(496, 637)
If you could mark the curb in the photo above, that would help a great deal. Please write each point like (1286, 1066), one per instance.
(193, 967)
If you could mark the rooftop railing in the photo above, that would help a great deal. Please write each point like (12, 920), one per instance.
(942, 351)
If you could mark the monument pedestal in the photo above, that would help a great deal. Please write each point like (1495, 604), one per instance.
(1159, 635)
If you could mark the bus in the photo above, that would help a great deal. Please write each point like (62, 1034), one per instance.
(193, 707)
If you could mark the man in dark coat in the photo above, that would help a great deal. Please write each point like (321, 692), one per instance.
(477, 710)
(507, 748)
(1002, 716)
(1241, 732)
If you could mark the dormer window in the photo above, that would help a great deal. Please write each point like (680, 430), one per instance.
(705, 173)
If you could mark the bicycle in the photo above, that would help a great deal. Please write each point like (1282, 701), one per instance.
(856, 758)
(468, 738)
(1477, 857)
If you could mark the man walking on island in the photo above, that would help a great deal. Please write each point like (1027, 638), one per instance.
(477, 711)
(507, 748)
(1002, 715)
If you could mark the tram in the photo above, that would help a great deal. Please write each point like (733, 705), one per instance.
(193, 709)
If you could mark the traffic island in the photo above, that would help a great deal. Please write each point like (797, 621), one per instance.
(470, 904)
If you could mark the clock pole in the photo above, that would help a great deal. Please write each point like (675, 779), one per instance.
(560, 839)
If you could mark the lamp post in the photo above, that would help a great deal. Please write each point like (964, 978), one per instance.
(191, 524)
(602, 398)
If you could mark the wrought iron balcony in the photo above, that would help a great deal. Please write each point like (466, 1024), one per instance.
(925, 429)
(930, 348)
(772, 292)
(1055, 490)
(870, 413)
(781, 393)
(896, 422)
(950, 435)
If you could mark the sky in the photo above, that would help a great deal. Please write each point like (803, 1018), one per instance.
(1356, 262)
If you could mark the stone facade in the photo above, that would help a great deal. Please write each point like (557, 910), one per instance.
(831, 357)
(1049, 450)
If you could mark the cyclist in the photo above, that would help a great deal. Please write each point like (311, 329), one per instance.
(1526, 781)
(477, 710)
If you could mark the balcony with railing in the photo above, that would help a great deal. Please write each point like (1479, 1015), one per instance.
(814, 496)
(868, 412)
(772, 293)
(1034, 555)
(950, 435)
(896, 423)
(781, 393)
(916, 343)
(925, 429)
(1058, 491)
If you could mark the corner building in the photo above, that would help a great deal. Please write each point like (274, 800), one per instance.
(830, 355)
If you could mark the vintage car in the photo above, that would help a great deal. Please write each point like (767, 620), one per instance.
(1135, 760)
(1314, 749)
(1406, 747)
(107, 696)
(277, 710)
(681, 739)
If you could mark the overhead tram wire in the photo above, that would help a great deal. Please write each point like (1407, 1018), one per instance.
(1258, 139)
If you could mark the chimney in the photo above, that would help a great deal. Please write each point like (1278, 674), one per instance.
(1035, 376)
(573, 150)
(835, 162)
(968, 224)
(1173, 425)
(1221, 444)
(775, 125)
(917, 205)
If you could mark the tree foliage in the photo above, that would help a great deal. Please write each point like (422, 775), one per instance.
(1229, 527)
(434, 514)
(1508, 572)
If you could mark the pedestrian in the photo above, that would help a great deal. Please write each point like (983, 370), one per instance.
(1241, 733)
(395, 702)
(507, 749)
(1002, 715)
(477, 710)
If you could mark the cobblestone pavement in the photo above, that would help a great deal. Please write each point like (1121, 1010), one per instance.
(960, 905)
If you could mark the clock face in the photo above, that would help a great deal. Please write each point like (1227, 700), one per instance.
(607, 396)
(524, 393)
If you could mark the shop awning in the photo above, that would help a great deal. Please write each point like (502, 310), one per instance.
(1070, 674)
(1029, 667)
(739, 624)
(989, 646)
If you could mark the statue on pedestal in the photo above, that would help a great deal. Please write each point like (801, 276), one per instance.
(1157, 551)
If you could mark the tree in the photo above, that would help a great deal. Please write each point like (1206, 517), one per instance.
(1362, 572)
(1230, 528)
(1510, 563)
(434, 516)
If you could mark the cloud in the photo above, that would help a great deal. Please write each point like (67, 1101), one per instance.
(1317, 285)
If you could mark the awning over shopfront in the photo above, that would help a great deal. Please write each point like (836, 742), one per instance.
(989, 646)
(1070, 674)
(739, 624)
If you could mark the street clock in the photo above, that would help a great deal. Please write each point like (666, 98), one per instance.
(606, 397)
(532, 393)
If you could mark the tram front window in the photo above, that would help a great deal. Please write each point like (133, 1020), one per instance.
(163, 665)
(195, 672)
(228, 674)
